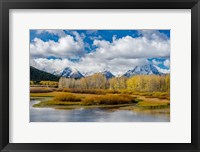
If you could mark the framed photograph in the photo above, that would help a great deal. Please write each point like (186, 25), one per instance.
(99, 75)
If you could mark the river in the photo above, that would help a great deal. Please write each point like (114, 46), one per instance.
(91, 115)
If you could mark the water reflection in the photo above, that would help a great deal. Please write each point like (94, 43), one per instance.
(91, 115)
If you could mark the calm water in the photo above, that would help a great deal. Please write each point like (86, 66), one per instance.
(91, 115)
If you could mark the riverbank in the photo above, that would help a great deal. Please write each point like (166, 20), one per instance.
(144, 104)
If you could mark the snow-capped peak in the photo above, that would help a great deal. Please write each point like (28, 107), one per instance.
(148, 69)
(69, 72)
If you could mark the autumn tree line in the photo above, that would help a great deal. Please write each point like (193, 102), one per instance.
(139, 83)
(44, 83)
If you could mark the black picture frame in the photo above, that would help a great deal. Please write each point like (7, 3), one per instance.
(5, 5)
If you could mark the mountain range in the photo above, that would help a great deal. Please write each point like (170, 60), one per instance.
(148, 69)
(70, 72)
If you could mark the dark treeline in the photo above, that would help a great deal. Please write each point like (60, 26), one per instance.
(38, 75)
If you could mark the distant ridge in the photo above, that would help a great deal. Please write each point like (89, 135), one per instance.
(107, 74)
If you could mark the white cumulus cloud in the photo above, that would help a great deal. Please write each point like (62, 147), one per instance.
(65, 47)
(117, 56)
(132, 48)
(167, 63)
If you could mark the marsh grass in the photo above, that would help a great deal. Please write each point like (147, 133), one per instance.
(138, 100)
(55, 103)
(159, 95)
(153, 104)
(99, 98)
(125, 91)
(49, 94)
(109, 100)
(92, 91)
(40, 90)
(66, 97)
(85, 91)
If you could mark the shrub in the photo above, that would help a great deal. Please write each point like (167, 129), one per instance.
(109, 100)
(125, 91)
(49, 83)
(40, 90)
(66, 97)
(65, 90)
(112, 91)
(136, 93)
(85, 91)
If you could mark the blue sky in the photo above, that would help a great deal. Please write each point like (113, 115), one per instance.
(92, 51)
